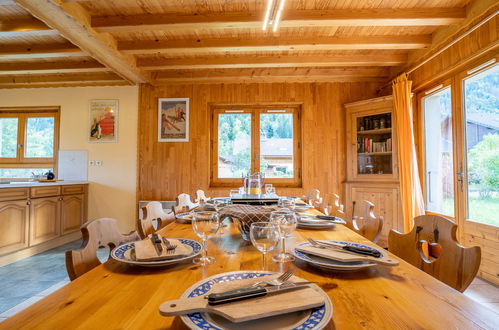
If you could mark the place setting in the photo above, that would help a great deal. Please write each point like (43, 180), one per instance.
(341, 255)
(157, 251)
(252, 300)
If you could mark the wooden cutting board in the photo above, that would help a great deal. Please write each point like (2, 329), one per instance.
(250, 309)
(145, 250)
(346, 257)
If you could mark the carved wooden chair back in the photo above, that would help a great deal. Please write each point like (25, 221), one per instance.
(184, 203)
(153, 218)
(444, 258)
(200, 196)
(332, 206)
(367, 224)
(100, 232)
(313, 197)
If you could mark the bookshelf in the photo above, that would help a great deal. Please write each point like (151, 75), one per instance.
(372, 168)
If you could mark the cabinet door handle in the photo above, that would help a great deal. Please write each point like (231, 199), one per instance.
(28, 203)
(61, 198)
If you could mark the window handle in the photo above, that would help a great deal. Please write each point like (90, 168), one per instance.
(460, 176)
(19, 146)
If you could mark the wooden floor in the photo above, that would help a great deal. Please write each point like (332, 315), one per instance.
(26, 281)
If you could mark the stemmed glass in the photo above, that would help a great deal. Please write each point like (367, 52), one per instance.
(285, 220)
(286, 203)
(268, 188)
(205, 224)
(264, 236)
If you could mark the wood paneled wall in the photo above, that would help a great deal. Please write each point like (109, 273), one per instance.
(478, 43)
(168, 169)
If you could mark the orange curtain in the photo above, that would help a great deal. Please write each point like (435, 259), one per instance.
(410, 186)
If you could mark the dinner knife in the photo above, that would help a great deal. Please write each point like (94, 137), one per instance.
(354, 249)
(251, 292)
(156, 241)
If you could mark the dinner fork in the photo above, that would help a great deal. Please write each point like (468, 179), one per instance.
(278, 281)
(170, 248)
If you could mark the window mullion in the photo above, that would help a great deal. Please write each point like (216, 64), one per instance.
(21, 138)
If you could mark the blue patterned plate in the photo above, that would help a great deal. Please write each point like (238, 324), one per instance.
(185, 217)
(333, 264)
(315, 318)
(122, 254)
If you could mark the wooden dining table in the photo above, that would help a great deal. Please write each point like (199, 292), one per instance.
(117, 296)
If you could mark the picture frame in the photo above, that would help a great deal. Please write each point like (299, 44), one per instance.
(173, 119)
(103, 121)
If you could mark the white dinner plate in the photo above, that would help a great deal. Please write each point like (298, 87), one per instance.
(122, 254)
(315, 318)
(326, 263)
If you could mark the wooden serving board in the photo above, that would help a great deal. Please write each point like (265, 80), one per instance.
(347, 257)
(145, 250)
(250, 309)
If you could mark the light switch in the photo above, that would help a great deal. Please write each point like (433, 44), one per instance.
(98, 163)
(91, 162)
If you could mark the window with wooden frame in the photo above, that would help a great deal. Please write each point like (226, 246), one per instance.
(256, 138)
(29, 141)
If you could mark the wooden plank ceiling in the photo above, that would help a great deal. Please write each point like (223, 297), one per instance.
(119, 42)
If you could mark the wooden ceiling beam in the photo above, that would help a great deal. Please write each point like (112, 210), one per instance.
(25, 26)
(17, 67)
(40, 51)
(303, 18)
(67, 84)
(30, 79)
(172, 47)
(343, 74)
(271, 61)
(72, 21)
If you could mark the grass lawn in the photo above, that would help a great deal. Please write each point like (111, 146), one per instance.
(484, 210)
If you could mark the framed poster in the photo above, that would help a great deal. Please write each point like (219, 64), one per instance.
(173, 120)
(103, 121)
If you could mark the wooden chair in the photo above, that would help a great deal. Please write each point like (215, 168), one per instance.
(313, 198)
(153, 213)
(100, 232)
(367, 225)
(184, 203)
(445, 259)
(201, 197)
(332, 206)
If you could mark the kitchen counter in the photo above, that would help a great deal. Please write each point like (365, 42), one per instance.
(38, 184)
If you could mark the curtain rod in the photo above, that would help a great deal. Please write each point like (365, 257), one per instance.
(440, 51)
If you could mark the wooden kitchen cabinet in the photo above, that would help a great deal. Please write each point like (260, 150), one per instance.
(44, 219)
(39, 217)
(386, 199)
(14, 220)
(72, 213)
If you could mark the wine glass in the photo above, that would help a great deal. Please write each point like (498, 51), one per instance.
(286, 203)
(285, 221)
(264, 236)
(205, 224)
(268, 188)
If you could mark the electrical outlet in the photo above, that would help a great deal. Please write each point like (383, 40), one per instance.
(91, 162)
(98, 163)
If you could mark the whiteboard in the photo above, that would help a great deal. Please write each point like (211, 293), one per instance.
(73, 165)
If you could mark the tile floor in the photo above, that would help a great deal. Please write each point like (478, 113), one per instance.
(42, 274)
(38, 276)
